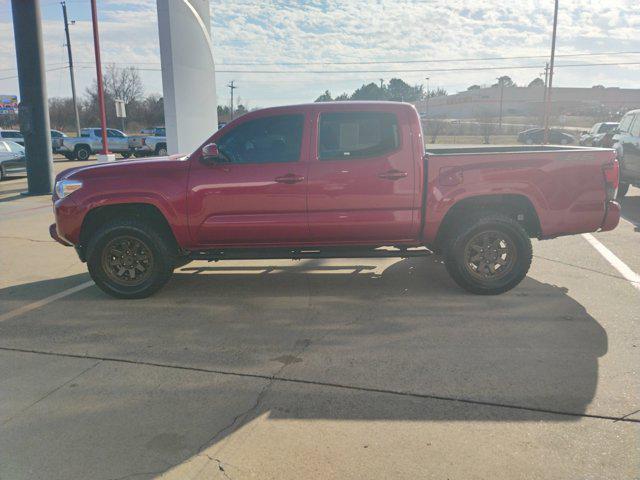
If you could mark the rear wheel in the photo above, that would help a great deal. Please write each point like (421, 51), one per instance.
(623, 188)
(489, 255)
(83, 153)
(128, 258)
(161, 150)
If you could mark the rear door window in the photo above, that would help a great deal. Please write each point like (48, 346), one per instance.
(352, 135)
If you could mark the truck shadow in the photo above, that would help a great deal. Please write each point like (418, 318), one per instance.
(345, 335)
(631, 210)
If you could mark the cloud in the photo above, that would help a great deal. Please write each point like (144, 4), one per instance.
(280, 31)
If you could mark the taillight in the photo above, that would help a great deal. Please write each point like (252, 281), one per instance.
(611, 174)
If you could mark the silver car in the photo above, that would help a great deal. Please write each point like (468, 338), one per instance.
(12, 159)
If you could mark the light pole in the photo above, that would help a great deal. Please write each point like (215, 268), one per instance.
(96, 47)
(501, 83)
(547, 108)
(33, 109)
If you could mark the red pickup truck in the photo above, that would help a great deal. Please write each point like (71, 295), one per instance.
(343, 179)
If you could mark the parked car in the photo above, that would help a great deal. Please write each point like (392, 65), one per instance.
(55, 142)
(12, 135)
(327, 180)
(90, 142)
(152, 141)
(12, 159)
(594, 136)
(626, 143)
(536, 136)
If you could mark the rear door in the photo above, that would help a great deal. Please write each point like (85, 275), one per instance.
(258, 195)
(361, 177)
(118, 141)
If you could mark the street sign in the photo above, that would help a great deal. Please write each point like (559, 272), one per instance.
(121, 111)
(8, 104)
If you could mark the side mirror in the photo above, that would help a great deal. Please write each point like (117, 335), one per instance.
(210, 154)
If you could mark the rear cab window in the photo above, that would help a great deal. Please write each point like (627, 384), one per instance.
(354, 135)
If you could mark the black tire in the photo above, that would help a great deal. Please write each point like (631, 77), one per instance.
(157, 249)
(82, 153)
(477, 277)
(3, 176)
(69, 156)
(623, 188)
(161, 150)
(125, 155)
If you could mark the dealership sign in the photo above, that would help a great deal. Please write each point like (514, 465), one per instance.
(8, 104)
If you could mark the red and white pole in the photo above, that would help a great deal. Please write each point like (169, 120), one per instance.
(96, 46)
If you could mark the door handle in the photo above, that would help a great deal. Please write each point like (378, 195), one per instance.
(289, 178)
(392, 175)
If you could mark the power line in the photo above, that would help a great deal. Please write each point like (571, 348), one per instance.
(421, 70)
(383, 62)
(48, 70)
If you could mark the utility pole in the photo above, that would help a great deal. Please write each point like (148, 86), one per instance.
(426, 112)
(232, 87)
(544, 90)
(34, 109)
(547, 109)
(501, 82)
(73, 80)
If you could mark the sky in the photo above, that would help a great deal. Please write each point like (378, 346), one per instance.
(436, 37)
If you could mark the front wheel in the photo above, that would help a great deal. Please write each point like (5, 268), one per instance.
(488, 255)
(125, 155)
(83, 153)
(161, 150)
(129, 259)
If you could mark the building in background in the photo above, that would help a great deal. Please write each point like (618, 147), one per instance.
(529, 102)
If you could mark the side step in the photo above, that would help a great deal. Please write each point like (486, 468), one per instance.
(306, 253)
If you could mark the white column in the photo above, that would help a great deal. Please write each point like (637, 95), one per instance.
(188, 73)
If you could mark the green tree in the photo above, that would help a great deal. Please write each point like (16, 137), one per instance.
(370, 91)
(398, 90)
(325, 97)
(474, 87)
(536, 82)
(505, 81)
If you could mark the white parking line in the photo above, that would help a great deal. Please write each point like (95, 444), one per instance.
(615, 262)
(44, 301)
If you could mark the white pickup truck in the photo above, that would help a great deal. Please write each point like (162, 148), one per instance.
(151, 141)
(90, 142)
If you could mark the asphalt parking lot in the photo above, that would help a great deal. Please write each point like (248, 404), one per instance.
(318, 369)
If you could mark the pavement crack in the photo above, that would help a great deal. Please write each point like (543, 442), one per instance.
(48, 394)
(300, 381)
(27, 239)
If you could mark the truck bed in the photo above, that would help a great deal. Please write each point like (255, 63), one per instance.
(563, 184)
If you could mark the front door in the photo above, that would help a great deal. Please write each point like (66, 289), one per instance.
(362, 178)
(256, 194)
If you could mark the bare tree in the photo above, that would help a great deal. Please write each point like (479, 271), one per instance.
(123, 84)
(487, 125)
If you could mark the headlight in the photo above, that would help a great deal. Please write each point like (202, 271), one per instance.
(66, 187)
